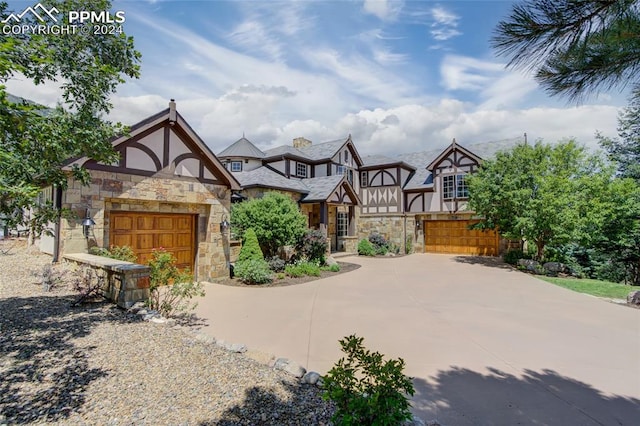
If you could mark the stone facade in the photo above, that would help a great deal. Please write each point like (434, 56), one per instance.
(395, 228)
(111, 192)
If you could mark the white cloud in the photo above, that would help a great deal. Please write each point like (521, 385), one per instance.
(444, 24)
(386, 10)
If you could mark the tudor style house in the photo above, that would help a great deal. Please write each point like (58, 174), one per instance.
(322, 178)
(419, 198)
(168, 190)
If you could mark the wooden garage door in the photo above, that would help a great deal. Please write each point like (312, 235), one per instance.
(453, 236)
(145, 231)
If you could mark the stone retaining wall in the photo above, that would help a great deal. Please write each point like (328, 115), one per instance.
(124, 283)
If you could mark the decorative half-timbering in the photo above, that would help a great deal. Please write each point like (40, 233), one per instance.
(168, 190)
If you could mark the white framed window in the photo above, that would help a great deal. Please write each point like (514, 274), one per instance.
(340, 169)
(448, 187)
(462, 190)
(236, 166)
(454, 186)
(364, 179)
(301, 170)
(343, 224)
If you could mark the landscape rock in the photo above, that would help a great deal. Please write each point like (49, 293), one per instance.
(330, 261)
(633, 298)
(417, 421)
(141, 312)
(311, 378)
(290, 367)
(136, 307)
(236, 347)
(286, 253)
(531, 266)
(158, 320)
(205, 338)
(556, 268)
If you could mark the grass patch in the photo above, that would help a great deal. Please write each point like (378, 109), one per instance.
(593, 287)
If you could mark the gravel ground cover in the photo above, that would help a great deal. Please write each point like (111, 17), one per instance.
(96, 364)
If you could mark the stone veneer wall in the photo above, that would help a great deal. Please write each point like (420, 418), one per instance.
(158, 194)
(252, 193)
(395, 228)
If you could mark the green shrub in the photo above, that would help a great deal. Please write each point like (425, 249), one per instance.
(408, 245)
(512, 256)
(366, 389)
(334, 268)
(365, 248)
(275, 218)
(300, 269)
(253, 271)
(276, 264)
(381, 251)
(171, 289)
(281, 275)
(250, 248)
(124, 253)
(313, 246)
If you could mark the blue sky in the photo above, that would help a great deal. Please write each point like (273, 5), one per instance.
(398, 76)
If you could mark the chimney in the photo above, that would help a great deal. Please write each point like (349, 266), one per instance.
(301, 143)
(172, 111)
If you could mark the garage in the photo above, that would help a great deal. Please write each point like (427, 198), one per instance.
(455, 237)
(144, 232)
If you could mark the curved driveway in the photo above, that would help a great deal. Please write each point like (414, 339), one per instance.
(487, 345)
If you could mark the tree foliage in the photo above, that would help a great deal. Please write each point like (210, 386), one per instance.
(275, 218)
(573, 47)
(625, 150)
(535, 192)
(250, 248)
(35, 141)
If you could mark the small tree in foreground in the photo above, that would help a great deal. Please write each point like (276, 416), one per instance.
(366, 389)
(171, 289)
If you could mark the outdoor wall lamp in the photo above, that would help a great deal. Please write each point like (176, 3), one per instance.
(87, 223)
(224, 225)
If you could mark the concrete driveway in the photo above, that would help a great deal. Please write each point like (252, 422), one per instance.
(487, 345)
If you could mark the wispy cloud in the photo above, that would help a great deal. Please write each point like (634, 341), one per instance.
(386, 10)
(444, 24)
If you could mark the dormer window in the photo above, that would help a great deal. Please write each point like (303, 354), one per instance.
(301, 170)
(454, 186)
(236, 166)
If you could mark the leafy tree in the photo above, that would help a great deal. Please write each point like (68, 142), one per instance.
(534, 192)
(625, 151)
(275, 218)
(35, 141)
(573, 47)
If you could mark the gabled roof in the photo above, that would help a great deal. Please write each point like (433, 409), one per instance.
(453, 147)
(422, 178)
(242, 148)
(281, 150)
(265, 177)
(320, 188)
(167, 118)
(376, 161)
(322, 151)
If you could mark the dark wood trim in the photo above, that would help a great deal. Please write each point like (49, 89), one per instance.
(287, 168)
(149, 152)
(328, 169)
(123, 157)
(273, 169)
(200, 170)
(165, 146)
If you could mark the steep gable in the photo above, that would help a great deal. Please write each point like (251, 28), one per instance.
(163, 144)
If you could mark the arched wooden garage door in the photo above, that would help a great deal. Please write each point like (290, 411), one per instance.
(455, 237)
(144, 232)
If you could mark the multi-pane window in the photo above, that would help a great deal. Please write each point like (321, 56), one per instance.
(454, 186)
(340, 169)
(301, 170)
(236, 166)
(448, 187)
(343, 224)
(364, 179)
(462, 190)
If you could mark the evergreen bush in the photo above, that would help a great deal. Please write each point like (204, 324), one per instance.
(365, 248)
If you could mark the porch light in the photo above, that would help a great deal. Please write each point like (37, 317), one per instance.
(224, 225)
(87, 223)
